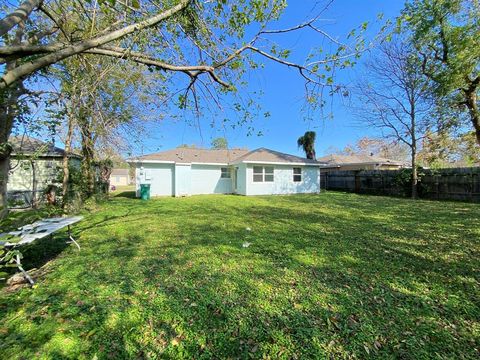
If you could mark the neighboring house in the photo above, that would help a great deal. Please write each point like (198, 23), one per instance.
(35, 164)
(358, 162)
(120, 177)
(186, 171)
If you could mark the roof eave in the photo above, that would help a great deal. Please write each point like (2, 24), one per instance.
(366, 163)
(275, 163)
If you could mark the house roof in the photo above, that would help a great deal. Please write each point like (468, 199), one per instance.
(119, 172)
(264, 155)
(334, 159)
(28, 146)
(233, 156)
(189, 155)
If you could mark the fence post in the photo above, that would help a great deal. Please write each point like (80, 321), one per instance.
(383, 183)
(357, 182)
(472, 186)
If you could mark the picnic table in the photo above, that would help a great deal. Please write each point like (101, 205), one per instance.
(38, 230)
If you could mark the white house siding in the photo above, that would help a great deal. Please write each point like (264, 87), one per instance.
(159, 176)
(47, 171)
(241, 179)
(118, 180)
(206, 179)
(283, 181)
(183, 179)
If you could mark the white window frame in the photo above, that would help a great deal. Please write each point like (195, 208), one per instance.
(225, 173)
(297, 176)
(263, 174)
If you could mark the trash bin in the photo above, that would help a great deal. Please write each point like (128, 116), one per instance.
(145, 191)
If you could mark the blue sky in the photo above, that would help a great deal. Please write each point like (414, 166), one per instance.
(283, 91)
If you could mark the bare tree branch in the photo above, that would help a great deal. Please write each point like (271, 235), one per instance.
(20, 14)
(25, 69)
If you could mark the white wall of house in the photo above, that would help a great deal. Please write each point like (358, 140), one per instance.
(183, 179)
(118, 180)
(241, 179)
(283, 181)
(186, 179)
(206, 179)
(159, 176)
(47, 171)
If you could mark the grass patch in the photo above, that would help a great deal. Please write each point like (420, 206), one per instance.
(326, 276)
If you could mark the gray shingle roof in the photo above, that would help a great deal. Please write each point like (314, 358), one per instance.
(189, 155)
(28, 146)
(267, 155)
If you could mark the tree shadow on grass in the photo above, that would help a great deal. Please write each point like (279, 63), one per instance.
(126, 194)
(312, 284)
(359, 279)
(75, 308)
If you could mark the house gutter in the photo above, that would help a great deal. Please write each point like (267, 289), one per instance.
(277, 163)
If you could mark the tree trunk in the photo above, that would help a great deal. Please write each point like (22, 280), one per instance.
(9, 108)
(4, 168)
(413, 148)
(472, 106)
(8, 111)
(88, 170)
(66, 170)
(414, 174)
(34, 185)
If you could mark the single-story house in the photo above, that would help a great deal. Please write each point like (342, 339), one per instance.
(120, 177)
(187, 171)
(34, 165)
(335, 162)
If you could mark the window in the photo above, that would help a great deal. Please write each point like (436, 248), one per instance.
(257, 174)
(268, 173)
(226, 173)
(297, 174)
(263, 174)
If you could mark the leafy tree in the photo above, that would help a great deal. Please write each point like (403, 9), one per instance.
(393, 149)
(205, 41)
(446, 34)
(307, 142)
(447, 148)
(219, 143)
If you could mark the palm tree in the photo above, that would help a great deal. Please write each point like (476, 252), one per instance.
(307, 142)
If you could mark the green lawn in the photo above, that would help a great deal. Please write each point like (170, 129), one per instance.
(325, 276)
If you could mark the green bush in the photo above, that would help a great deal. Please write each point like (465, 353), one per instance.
(403, 181)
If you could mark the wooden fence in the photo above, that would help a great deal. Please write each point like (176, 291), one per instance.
(443, 184)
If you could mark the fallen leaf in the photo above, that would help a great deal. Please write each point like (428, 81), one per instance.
(175, 341)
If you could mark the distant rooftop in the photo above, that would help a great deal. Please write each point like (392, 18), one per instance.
(120, 172)
(334, 159)
(28, 146)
